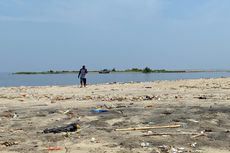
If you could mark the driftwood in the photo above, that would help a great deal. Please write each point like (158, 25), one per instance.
(147, 128)
(171, 134)
(194, 135)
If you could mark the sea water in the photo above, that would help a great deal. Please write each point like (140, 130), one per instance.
(9, 79)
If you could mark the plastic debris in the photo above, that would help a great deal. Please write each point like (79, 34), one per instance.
(66, 112)
(174, 150)
(93, 140)
(181, 148)
(148, 97)
(149, 132)
(15, 115)
(8, 144)
(69, 128)
(192, 120)
(193, 144)
(54, 148)
(164, 148)
(99, 110)
(145, 144)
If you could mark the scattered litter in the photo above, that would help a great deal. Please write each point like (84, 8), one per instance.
(169, 134)
(15, 115)
(181, 148)
(202, 133)
(66, 112)
(108, 107)
(175, 120)
(194, 145)
(145, 144)
(178, 97)
(149, 106)
(93, 140)
(173, 150)
(121, 106)
(70, 113)
(148, 97)
(69, 128)
(146, 128)
(201, 97)
(54, 148)
(149, 132)
(87, 98)
(199, 151)
(112, 98)
(99, 110)
(167, 113)
(59, 98)
(66, 135)
(192, 120)
(207, 130)
(8, 144)
(164, 148)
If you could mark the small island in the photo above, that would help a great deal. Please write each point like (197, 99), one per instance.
(134, 70)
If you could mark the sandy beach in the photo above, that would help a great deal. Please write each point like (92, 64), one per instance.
(200, 108)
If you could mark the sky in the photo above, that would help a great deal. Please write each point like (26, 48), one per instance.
(40, 35)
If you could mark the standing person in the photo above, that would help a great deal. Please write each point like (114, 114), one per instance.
(82, 73)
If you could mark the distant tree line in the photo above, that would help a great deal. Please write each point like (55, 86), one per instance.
(149, 70)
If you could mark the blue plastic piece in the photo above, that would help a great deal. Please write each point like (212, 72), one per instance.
(99, 110)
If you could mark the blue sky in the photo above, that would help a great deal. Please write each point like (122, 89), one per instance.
(40, 35)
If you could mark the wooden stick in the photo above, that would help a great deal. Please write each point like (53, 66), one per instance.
(147, 128)
(199, 135)
(156, 134)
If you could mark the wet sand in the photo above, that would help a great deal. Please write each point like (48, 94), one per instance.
(200, 107)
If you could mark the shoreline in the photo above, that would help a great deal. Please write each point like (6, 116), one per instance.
(111, 83)
(197, 105)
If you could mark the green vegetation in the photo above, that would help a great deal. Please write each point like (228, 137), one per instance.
(134, 70)
(147, 70)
